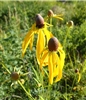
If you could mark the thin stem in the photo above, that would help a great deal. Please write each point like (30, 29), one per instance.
(73, 83)
(29, 95)
(25, 74)
(5, 67)
(65, 38)
(66, 88)
(50, 24)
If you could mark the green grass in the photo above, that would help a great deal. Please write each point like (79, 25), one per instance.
(16, 18)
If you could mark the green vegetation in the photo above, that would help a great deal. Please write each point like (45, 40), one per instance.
(16, 19)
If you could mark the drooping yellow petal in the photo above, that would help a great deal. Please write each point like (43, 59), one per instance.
(34, 27)
(50, 67)
(57, 16)
(55, 58)
(55, 64)
(40, 45)
(60, 46)
(59, 69)
(44, 59)
(27, 39)
(48, 34)
(31, 42)
(60, 15)
(79, 77)
(48, 25)
(55, 71)
(61, 64)
(62, 57)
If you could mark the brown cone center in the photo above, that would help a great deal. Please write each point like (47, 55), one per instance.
(53, 44)
(39, 21)
(15, 76)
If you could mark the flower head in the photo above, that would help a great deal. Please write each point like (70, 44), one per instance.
(53, 56)
(53, 44)
(51, 14)
(14, 75)
(39, 21)
(70, 24)
(40, 28)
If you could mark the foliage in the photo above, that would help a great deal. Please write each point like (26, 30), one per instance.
(16, 19)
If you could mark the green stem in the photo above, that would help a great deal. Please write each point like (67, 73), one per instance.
(73, 83)
(29, 95)
(66, 87)
(65, 39)
(50, 24)
(25, 74)
(5, 67)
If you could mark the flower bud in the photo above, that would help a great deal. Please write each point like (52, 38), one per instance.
(39, 21)
(70, 24)
(50, 13)
(14, 76)
(53, 44)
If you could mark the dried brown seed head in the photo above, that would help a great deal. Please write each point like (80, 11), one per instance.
(50, 13)
(15, 76)
(53, 44)
(76, 70)
(39, 21)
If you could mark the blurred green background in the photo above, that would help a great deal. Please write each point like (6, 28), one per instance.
(16, 19)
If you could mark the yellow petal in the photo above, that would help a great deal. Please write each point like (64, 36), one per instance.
(47, 24)
(56, 63)
(55, 58)
(61, 64)
(44, 59)
(60, 46)
(26, 41)
(58, 17)
(59, 69)
(59, 74)
(48, 34)
(50, 67)
(40, 45)
(31, 42)
(79, 77)
(55, 71)
(62, 57)
(28, 38)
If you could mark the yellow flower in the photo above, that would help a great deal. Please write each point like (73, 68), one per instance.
(53, 56)
(51, 14)
(40, 28)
